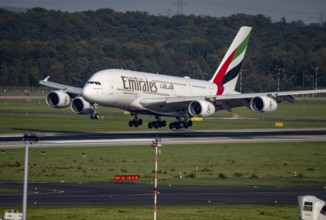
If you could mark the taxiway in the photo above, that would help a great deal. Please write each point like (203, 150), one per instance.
(47, 139)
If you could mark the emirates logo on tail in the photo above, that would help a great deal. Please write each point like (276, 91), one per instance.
(227, 73)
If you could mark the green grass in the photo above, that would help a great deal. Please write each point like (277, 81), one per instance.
(271, 164)
(175, 212)
(29, 114)
(4, 190)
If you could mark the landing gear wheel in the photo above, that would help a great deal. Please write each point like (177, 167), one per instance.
(180, 124)
(158, 123)
(135, 122)
(95, 116)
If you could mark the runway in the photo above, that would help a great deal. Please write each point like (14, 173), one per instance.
(59, 139)
(102, 194)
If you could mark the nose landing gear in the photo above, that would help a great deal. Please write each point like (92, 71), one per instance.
(95, 116)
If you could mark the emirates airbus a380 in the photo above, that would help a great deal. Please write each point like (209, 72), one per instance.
(143, 93)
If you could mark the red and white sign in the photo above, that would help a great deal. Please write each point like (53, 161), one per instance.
(126, 177)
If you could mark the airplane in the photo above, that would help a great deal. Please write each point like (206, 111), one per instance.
(157, 95)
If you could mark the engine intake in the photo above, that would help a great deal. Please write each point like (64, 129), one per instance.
(263, 104)
(201, 108)
(58, 99)
(80, 106)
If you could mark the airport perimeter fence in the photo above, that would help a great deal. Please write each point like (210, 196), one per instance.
(23, 91)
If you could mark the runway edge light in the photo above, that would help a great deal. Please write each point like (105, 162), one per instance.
(279, 124)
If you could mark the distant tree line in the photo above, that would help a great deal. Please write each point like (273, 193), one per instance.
(70, 47)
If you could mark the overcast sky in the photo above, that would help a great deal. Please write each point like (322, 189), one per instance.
(306, 10)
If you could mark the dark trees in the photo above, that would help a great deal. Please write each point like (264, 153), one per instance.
(72, 46)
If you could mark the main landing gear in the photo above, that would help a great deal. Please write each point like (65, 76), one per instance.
(173, 125)
(136, 122)
(158, 123)
(180, 124)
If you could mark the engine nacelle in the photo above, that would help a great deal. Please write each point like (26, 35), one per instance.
(201, 108)
(58, 99)
(263, 104)
(80, 106)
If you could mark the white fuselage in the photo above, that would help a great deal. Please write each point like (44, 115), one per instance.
(124, 88)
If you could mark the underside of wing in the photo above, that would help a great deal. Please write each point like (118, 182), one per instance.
(227, 102)
(258, 102)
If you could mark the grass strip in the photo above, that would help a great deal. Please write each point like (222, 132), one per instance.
(17, 116)
(264, 164)
(175, 212)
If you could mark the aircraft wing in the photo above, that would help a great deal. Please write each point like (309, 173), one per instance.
(227, 102)
(222, 102)
(68, 89)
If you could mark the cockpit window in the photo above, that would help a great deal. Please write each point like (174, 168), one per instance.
(94, 82)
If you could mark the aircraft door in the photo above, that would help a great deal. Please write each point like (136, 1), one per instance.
(109, 87)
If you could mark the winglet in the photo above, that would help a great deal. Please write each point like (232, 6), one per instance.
(46, 79)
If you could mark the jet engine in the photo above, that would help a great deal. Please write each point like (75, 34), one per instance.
(263, 104)
(201, 108)
(80, 106)
(58, 99)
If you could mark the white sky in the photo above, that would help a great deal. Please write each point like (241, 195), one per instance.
(306, 10)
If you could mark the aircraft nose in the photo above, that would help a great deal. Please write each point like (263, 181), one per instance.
(87, 93)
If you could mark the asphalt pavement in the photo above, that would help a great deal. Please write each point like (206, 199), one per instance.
(103, 194)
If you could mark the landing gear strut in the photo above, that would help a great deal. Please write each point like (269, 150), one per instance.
(94, 114)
